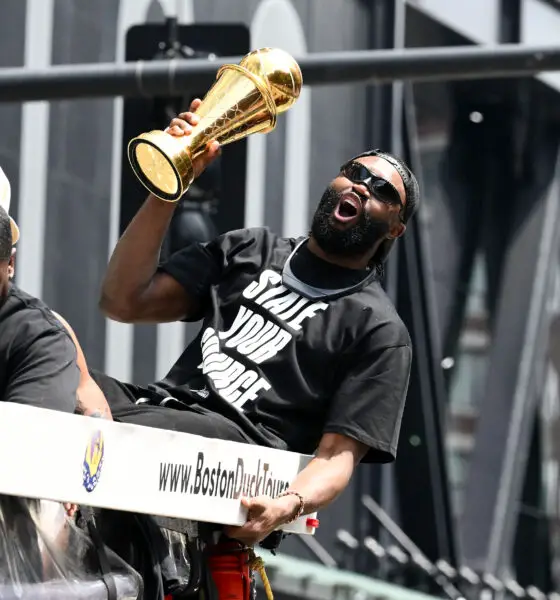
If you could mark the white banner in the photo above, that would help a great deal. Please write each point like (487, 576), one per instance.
(70, 458)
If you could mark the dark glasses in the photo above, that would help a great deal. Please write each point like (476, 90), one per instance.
(382, 189)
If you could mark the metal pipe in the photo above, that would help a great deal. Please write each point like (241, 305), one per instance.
(319, 551)
(170, 77)
(418, 557)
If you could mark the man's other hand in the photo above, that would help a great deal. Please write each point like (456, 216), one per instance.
(183, 125)
(70, 509)
(264, 515)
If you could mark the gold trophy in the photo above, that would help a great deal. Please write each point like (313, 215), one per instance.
(244, 99)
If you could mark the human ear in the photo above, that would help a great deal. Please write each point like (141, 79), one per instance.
(12, 264)
(397, 230)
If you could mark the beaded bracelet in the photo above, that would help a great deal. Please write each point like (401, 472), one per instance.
(301, 508)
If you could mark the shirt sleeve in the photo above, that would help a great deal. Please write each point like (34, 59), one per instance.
(201, 265)
(44, 372)
(369, 404)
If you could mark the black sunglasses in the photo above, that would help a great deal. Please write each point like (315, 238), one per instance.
(382, 189)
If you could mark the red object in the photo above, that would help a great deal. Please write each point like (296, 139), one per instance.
(229, 565)
(312, 523)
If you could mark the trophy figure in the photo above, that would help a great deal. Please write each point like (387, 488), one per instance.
(244, 99)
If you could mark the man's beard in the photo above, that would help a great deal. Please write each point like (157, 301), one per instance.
(355, 240)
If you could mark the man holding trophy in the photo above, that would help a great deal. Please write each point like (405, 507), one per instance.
(300, 347)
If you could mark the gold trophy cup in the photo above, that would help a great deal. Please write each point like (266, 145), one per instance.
(244, 99)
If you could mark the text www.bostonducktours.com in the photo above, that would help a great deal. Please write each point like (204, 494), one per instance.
(214, 480)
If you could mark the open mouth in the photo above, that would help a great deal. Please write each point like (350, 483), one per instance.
(349, 208)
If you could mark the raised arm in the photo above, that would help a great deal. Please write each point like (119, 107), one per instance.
(133, 290)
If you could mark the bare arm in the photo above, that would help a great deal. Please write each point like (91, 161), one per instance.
(132, 290)
(324, 478)
(91, 400)
(328, 474)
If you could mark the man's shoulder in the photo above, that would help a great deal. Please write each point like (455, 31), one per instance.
(384, 322)
(255, 247)
(257, 237)
(24, 317)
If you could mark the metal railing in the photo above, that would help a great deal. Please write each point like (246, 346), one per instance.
(170, 77)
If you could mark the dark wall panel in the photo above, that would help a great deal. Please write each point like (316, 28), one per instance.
(78, 189)
(12, 50)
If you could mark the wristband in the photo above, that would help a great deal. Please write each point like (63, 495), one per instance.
(301, 508)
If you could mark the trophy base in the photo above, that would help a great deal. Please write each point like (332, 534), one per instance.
(162, 164)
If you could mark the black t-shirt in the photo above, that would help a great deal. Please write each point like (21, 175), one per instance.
(37, 356)
(285, 368)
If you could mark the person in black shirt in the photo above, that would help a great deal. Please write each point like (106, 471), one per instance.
(300, 347)
(37, 356)
(41, 361)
